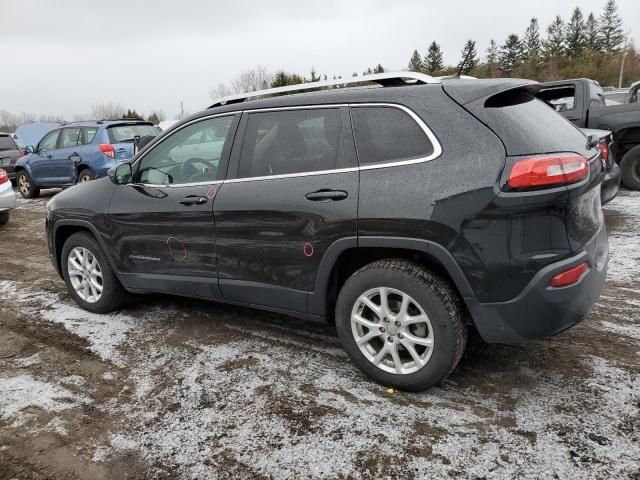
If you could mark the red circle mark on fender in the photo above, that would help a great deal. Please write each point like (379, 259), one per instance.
(212, 192)
(308, 249)
(174, 250)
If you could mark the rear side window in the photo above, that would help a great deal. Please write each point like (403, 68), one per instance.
(127, 133)
(89, 135)
(387, 134)
(527, 125)
(7, 143)
(70, 137)
(291, 141)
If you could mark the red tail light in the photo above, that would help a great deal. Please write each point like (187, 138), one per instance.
(548, 171)
(603, 146)
(4, 178)
(570, 276)
(108, 150)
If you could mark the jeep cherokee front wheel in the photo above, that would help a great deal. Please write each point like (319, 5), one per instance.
(401, 325)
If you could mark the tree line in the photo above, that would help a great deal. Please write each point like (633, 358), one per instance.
(591, 46)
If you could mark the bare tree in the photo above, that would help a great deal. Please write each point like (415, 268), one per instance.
(102, 111)
(257, 78)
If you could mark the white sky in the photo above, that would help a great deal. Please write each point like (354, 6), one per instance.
(60, 57)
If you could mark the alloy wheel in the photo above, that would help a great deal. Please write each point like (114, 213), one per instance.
(23, 184)
(85, 274)
(392, 330)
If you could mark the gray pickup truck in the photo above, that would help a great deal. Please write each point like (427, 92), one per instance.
(582, 101)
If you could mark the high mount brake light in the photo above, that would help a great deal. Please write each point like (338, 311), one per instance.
(108, 150)
(548, 171)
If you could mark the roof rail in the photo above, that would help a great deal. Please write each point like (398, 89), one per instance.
(390, 79)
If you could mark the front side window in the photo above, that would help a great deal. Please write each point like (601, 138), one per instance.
(70, 137)
(291, 141)
(50, 141)
(388, 134)
(190, 155)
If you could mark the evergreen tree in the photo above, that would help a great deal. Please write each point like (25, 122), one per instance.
(378, 69)
(415, 63)
(553, 46)
(282, 79)
(492, 58)
(132, 114)
(510, 53)
(469, 53)
(531, 41)
(314, 76)
(611, 34)
(153, 118)
(575, 34)
(592, 35)
(433, 61)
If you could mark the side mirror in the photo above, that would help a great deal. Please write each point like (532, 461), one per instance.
(30, 149)
(120, 174)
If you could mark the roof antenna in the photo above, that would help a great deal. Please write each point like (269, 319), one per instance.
(466, 59)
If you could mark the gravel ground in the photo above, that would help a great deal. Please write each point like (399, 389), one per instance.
(176, 388)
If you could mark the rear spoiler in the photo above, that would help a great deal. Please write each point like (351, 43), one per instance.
(467, 91)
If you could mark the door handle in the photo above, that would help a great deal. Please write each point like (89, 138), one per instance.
(326, 195)
(193, 200)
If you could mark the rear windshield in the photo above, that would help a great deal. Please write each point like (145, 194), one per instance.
(126, 133)
(7, 143)
(527, 125)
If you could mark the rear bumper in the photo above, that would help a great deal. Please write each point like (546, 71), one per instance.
(541, 311)
(611, 184)
(8, 199)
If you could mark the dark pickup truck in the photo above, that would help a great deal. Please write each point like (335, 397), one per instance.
(582, 101)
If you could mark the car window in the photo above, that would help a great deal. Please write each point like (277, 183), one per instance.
(50, 141)
(127, 133)
(387, 134)
(189, 155)
(70, 137)
(560, 98)
(291, 141)
(7, 143)
(89, 135)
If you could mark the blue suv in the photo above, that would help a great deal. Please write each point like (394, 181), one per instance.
(79, 152)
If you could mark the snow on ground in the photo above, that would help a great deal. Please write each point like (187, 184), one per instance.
(624, 261)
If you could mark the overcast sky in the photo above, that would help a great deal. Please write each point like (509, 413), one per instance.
(60, 57)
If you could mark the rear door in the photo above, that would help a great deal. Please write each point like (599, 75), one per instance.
(292, 191)
(162, 223)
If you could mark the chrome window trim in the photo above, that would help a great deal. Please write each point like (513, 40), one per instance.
(437, 148)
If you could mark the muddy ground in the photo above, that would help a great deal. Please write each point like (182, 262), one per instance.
(175, 388)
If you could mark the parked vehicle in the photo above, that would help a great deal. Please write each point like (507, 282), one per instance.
(582, 102)
(603, 139)
(78, 152)
(32, 133)
(9, 154)
(7, 197)
(404, 214)
(633, 96)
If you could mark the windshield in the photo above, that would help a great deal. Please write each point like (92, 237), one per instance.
(126, 133)
(7, 143)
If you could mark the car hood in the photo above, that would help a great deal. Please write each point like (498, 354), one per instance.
(32, 133)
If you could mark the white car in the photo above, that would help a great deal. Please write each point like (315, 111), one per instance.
(7, 197)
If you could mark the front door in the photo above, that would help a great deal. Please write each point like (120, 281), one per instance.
(162, 222)
(41, 165)
(292, 191)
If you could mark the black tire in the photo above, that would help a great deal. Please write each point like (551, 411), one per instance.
(630, 168)
(436, 298)
(85, 175)
(25, 185)
(4, 217)
(113, 295)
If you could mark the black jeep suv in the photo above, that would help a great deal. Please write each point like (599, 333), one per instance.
(405, 214)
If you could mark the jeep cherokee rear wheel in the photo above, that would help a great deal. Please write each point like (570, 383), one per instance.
(401, 325)
(88, 275)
